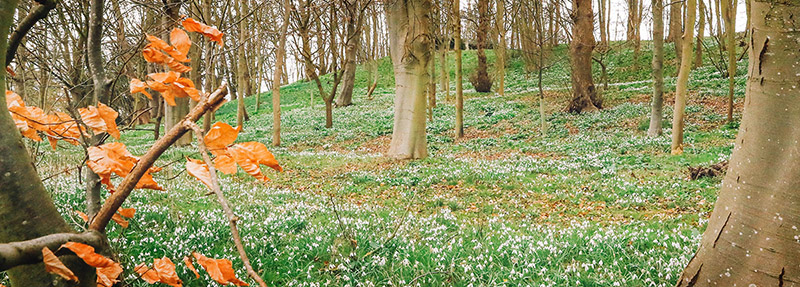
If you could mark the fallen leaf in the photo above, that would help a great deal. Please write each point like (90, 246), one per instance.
(53, 265)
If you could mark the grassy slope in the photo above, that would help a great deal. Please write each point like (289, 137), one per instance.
(590, 202)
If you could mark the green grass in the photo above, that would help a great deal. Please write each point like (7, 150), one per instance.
(590, 201)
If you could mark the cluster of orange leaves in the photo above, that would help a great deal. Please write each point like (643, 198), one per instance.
(114, 158)
(119, 217)
(249, 155)
(107, 270)
(170, 84)
(163, 271)
(60, 126)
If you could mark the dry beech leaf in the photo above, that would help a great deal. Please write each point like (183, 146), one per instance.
(261, 154)
(148, 274)
(109, 116)
(164, 78)
(119, 220)
(115, 158)
(127, 212)
(251, 155)
(212, 33)
(137, 86)
(107, 276)
(166, 272)
(53, 265)
(100, 119)
(182, 43)
(221, 270)
(82, 215)
(219, 137)
(88, 255)
(199, 170)
(225, 164)
(188, 261)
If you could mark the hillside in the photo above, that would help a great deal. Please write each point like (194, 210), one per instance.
(590, 201)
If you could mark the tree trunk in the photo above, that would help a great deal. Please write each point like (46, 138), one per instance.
(730, 24)
(410, 35)
(698, 51)
(584, 94)
(459, 72)
(751, 238)
(501, 46)
(657, 102)
(480, 80)
(352, 43)
(241, 64)
(174, 114)
(99, 92)
(682, 83)
(280, 56)
(675, 23)
(26, 208)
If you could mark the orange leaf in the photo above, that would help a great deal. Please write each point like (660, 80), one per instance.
(137, 86)
(119, 220)
(127, 212)
(187, 86)
(221, 270)
(199, 170)
(53, 265)
(164, 78)
(91, 118)
(88, 255)
(82, 215)
(212, 33)
(219, 137)
(166, 272)
(10, 72)
(225, 164)
(181, 42)
(109, 116)
(176, 66)
(151, 54)
(147, 273)
(260, 152)
(247, 161)
(63, 126)
(115, 158)
(188, 261)
(107, 276)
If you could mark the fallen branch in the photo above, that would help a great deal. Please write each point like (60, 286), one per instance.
(114, 202)
(232, 218)
(30, 251)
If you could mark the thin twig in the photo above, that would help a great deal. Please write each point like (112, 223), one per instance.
(232, 218)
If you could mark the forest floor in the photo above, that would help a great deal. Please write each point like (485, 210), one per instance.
(590, 201)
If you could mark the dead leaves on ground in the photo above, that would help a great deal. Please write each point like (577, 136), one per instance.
(248, 155)
(60, 126)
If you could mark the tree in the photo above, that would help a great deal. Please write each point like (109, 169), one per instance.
(675, 27)
(280, 57)
(657, 102)
(584, 94)
(698, 56)
(751, 238)
(456, 16)
(480, 80)
(174, 114)
(729, 12)
(500, 49)
(354, 14)
(682, 83)
(242, 69)
(410, 34)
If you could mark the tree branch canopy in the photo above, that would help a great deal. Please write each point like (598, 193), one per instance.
(37, 13)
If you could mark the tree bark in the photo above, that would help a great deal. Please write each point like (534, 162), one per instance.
(730, 24)
(584, 94)
(480, 80)
(280, 57)
(355, 23)
(751, 238)
(241, 64)
(501, 46)
(26, 209)
(174, 114)
(698, 51)
(682, 83)
(459, 71)
(657, 102)
(99, 93)
(410, 34)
